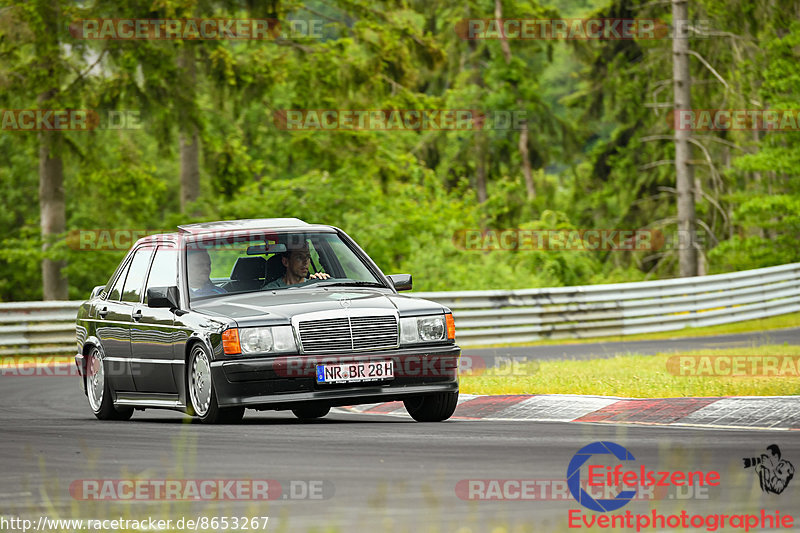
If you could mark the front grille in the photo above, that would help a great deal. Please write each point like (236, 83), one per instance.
(359, 333)
(373, 333)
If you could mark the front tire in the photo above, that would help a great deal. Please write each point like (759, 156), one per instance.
(433, 408)
(202, 396)
(99, 392)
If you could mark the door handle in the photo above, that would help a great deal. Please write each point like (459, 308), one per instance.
(103, 312)
(137, 315)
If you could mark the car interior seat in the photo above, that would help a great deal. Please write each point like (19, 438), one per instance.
(275, 269)
(248, 274)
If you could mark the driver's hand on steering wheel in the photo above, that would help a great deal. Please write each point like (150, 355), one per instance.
(319, 275)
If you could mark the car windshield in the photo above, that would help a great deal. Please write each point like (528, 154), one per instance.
(270, 261)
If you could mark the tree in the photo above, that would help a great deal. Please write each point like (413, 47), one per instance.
(40, 65)
(684, 171)
(523, 134)
(188, 135)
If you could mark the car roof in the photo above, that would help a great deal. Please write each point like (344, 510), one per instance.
(194, 231)
(244, 224)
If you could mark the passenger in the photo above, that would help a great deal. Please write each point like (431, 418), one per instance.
(199, 272)
(296, 262)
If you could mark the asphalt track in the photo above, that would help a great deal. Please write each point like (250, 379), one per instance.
(377, 473)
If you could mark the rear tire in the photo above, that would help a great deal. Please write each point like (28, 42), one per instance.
(98, 391)
(202, 396)
(433, 408)
(310, 412)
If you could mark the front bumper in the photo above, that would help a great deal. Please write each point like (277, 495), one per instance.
(282, 382)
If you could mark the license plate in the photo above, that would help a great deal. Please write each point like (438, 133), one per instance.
(354, 372)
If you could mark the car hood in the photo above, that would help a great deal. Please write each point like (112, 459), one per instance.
(260, 308)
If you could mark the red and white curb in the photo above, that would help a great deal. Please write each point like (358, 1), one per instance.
(737, 412)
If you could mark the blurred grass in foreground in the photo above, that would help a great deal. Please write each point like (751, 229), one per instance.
(635, 376)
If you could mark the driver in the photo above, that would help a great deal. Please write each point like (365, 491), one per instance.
(296, 261)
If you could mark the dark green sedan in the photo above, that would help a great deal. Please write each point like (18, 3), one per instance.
(264, 314)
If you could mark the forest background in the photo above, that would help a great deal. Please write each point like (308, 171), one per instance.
(597, 149)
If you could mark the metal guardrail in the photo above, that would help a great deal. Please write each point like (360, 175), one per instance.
(38, 327)
(493, 317)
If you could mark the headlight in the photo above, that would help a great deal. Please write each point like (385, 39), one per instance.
(431, 329)
(258, 340)
(422, 329)
(255, 340)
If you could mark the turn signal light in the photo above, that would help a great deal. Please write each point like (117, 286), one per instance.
(451, 326)
(230, 342)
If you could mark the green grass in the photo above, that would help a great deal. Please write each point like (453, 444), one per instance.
(791, 320)
(634, 376)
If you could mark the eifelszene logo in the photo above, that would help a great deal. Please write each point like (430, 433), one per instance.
(618, 469)
(631, 480)
(774, 473)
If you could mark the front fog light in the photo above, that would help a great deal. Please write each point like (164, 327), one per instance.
(408, 330)
(283, 338)
(255, 340)
(431, 329)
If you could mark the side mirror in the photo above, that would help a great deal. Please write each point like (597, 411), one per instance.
(401, 282)
(166, 297)
(96, 291)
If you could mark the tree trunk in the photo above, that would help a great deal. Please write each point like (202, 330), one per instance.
(480, 174)
(189, 144)
(687, 251)
(52, 214)
(759, 231)
(52, 210)
(526, 161)
(523, 134)
(190, 167)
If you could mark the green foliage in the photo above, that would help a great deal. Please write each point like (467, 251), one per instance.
(599, 145)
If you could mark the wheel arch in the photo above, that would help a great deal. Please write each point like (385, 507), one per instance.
(89, 343)
(191, 342)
